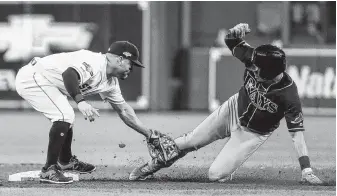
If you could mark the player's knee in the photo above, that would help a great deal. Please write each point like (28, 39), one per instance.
(61, 125)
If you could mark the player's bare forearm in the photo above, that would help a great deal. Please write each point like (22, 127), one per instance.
(129, 117)
(299, 143)
(301, 149)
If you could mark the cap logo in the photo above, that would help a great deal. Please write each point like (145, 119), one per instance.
(127, 54)
(260, 54)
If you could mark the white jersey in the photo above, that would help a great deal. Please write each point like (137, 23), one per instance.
(91, 68)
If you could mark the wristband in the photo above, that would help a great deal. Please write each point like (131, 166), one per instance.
(304, 162)
(78, 98)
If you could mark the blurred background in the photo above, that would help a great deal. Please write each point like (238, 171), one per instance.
(188, 67)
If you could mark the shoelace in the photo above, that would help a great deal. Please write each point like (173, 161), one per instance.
(78, 163)
(56, 173)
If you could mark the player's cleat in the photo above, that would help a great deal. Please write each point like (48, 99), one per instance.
(77, 166)
(54, 175)
(145, 171)
(308, 177)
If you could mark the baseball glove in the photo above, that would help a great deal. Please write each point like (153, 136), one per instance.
(162, 147)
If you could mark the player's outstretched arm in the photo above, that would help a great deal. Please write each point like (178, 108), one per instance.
(308, 175)
(295, 124)
(129, 117)
(161, 147)
(239, 48)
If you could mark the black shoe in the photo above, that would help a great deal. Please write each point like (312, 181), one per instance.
(77, 166)
(54, 175)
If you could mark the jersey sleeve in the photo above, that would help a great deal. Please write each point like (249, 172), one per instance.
(240, 49)
(84, 70)
(113, 95)
(293, 112)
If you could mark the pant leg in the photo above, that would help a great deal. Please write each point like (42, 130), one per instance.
(241, 145)
(43, 96)
(216, 126)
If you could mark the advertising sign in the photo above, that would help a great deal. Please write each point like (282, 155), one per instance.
(313, 71)
(52, 28)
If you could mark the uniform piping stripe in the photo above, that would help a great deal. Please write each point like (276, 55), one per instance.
(251, 117)
(243, 114)
(292, 81)
(237, 46)
(253, 151)
(48, 96)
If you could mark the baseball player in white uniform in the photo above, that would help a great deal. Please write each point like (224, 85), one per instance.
(45, 83)
(247, 119)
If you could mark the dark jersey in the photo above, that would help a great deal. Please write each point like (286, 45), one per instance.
(262, 106)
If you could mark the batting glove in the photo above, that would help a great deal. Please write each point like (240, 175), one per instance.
(239, 31)
(87, 110)
(308, 177)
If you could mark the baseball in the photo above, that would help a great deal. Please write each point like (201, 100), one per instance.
(121, 145)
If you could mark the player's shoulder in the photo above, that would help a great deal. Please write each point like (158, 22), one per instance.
(286, 89)
(286, 84)
(112, 83)
(93, 59)
(86, 53)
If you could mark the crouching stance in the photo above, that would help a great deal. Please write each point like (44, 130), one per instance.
(247, 119)
(46, 83)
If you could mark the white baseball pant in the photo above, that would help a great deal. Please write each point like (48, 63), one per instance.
(223, 123)
(43, 96)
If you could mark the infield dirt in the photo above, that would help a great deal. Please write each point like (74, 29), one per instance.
(272, 170)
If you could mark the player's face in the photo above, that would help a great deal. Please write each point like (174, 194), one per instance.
(257, 76)
(256, 72)
(125, 69)
(265, 81)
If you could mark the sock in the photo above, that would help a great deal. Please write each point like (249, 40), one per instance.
(65, 153)
(57, 135)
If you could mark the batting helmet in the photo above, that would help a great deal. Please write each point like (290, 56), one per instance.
(270, 59)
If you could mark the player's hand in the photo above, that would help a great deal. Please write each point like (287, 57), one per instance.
(239, 30)
(88, 111)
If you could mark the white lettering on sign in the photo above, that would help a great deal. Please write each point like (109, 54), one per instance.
(312, 84)
(7, 80)
(25, 36)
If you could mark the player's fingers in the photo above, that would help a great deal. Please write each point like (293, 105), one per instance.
(90, 114)
(235, 32)
(85, 115)
(96, 112)
(248, 30)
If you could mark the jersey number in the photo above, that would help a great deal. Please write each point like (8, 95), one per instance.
(84, 87)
